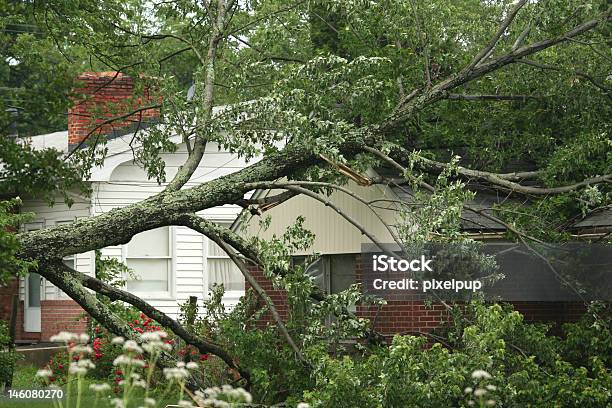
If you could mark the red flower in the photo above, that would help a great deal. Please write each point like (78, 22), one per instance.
(118, 372)
(60, 366)
(204, 357)
(142, 315)
(136, 321)
(139, 330)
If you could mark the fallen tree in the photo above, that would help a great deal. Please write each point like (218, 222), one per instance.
(325, 136)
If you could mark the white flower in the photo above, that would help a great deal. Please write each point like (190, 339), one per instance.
(184, 403)
(131, 345)
(303, 405)
(121, 359)
(99, 387)
(180, 364)
(153, 346)
(491, 387)
(83, 338)
(490, 403)
(247, 396)
(136, 362)
(135, 376)
(82, 349)
(117, 403)
(76, 370)
(468, 390)
(167, 347)
(480, 392)
(470, 403)
(150, 336)
(44, 373)
(86, 363)
(63, 336)
(480, 374)
(177, 373)
(117, 340)
(140, 383)
(149, 402)
(215, 403)
(191, 365)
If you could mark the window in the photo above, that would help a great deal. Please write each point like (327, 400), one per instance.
(221, 269)
(331, 273)
(149, 255)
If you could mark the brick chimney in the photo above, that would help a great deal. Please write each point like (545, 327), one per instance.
(106, 95)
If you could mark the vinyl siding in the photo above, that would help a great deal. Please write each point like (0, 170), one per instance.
(48, 216)
(128, 184)
(334, 234)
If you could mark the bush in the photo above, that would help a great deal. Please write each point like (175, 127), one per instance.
(8, 358)
(407, 373)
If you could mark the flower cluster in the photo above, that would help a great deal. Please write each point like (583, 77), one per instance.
(222, 397)
(480, 394)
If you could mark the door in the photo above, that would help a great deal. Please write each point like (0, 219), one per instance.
(32, 289)
(31, 313)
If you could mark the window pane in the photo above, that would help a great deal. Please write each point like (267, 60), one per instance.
(316, 271)
(153, 274)
(34, 290)
(150, 243)
(69, 262)
(342, 272)
(224, 271)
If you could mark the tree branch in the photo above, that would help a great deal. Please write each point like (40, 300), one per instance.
(73, 282)
(264, 296)
(185, 172)
(492, 97)
(500, 31)
(406, 108)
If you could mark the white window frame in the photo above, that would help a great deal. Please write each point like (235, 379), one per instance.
(229, 294)
(170, 294)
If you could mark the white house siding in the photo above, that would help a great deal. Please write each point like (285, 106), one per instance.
(128, 184)
(48, 216)
(334, 234)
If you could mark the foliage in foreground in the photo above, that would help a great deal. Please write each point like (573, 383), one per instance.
(490, 357)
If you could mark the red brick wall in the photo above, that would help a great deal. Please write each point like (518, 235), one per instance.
(6, 298)
(278, 297)
(106, 95)
(414, 316)
(56, 316)
(61, 315)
